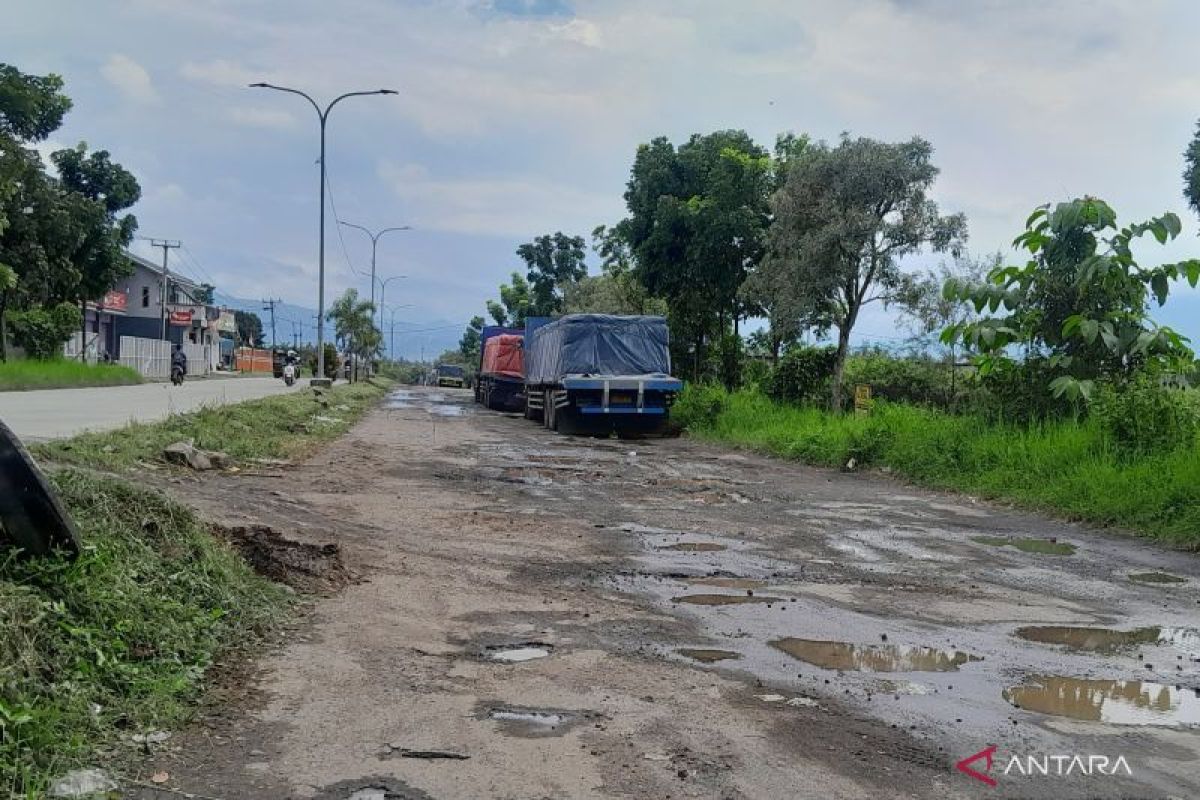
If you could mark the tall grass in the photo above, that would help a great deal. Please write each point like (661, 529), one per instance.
(26, 375)
(119, 641)
(1066, 467)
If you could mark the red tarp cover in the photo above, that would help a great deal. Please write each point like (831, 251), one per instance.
(502, 356)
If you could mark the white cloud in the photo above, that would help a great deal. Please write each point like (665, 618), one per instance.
(129, 78)
(219, 72)
(261, 118)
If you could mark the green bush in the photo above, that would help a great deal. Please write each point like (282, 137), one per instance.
(41, 332)
(1020, 392)
(727, 359)
(802, 375)
(1147, 417)
(916, 380)
(698, 405)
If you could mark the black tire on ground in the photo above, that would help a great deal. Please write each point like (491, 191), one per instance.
(31, 515)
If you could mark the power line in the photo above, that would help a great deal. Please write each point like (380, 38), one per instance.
(337, 220)
(196, 261)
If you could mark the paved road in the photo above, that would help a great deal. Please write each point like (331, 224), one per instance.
(54, 413)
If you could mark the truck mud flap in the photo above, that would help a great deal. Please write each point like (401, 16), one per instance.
(31, 515)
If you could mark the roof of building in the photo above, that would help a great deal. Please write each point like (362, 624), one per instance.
(176, 278)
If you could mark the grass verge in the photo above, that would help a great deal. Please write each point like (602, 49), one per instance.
(285, 426)
(1065, 467)
(118, 642)
(20, 376)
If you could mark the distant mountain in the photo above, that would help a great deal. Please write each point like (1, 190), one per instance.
(412, 338)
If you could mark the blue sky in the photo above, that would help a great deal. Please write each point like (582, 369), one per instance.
(520, 117)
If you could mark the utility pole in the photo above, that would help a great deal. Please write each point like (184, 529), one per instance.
(269, 305)
(166, 245)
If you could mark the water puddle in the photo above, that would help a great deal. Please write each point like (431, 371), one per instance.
(706, 656)
(724, 599)
(532, 721)
(729, 583)
(873, 658)
(1107, 640)
(1114, 702)
(1156, 577)
(519, 653)
(447, 411)
(695, 547)
(1046, 547)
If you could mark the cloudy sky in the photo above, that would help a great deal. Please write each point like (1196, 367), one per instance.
(520, 117)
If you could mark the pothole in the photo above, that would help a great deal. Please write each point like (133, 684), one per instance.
(707, 656)
(1111, 701)
(724, 599)
(1046, 547)
(532, 722)
(873, 658)
(1107, 640)
(1156, 577)
(306, 567)
(371, 789)
(517, 653)
(695, 547)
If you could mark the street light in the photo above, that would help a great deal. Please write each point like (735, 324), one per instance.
(323, 116)
(383, 293)
(375, 237)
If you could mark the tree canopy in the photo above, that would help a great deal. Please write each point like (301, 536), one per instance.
(554, 262)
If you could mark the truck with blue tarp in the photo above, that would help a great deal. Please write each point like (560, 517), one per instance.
(596, 373)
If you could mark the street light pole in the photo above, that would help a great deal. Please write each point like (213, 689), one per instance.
(392, 329)
(323, 116)
(375, 237)
(382, 294)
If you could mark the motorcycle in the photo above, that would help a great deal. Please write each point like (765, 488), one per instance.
(177, 375)
(289, 374)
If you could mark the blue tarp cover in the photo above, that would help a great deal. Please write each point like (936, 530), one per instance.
(597, 344)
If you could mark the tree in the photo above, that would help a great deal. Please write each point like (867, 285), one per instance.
(1080, 302)
(617, 286)
(354, 325)
(204, 294)
(1191, 172)
(696, 226)
(471, 340)
(844, 217)
(31, 106)
(926, 308)
(8, 282)
(514, 303)
(249, 327)
(554, 262)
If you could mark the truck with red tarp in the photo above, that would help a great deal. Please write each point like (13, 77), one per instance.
(500, 384)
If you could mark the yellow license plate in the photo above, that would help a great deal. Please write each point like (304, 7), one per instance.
(621, 397)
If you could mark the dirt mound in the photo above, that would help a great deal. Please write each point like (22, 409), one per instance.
(317, 569)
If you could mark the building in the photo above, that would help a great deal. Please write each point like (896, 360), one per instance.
(189, 319)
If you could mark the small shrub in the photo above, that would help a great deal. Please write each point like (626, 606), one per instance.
(1147, 417)
(919, 381)
(802, 375)
(699, 405)
(41, 332)
(1020, 392)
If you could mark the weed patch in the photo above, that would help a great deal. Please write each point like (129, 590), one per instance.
(18, 376)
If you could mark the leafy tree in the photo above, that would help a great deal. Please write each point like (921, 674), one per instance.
(926, 308)
(8, 282)
(1081, 301)
(617, 286)
(471, 340)
(249, 327)
(843, 218)
(514, 303)
(554, 263)
(204, 294)
(354, 325)
(1191, 172)
(31, 106)
(42, 331)
(697, 221)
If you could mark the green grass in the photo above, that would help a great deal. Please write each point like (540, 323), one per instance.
(1063, 467)
(20, 376)
(285, 426)
(120, 641)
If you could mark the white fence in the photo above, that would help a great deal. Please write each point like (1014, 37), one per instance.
(71, 348)
(152, 357)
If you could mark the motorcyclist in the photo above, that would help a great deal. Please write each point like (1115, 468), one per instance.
(178, 359)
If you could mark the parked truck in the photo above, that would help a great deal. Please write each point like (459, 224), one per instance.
(450, 375)
(501, 382)
(595, 373)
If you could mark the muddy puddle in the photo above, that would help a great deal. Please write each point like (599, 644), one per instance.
(1110, 701)
(872, 658)
(728, 583)
(708, 656)
(1046, 547)
(724, 599)
(435, 404)
(1108, 640)
(306, 567)
(518, 653)
(695, 547)
(1156, 577)
(532, 722)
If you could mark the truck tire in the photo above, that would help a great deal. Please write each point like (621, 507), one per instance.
(31, 515)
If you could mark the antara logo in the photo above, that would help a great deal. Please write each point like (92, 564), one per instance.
(979, 765)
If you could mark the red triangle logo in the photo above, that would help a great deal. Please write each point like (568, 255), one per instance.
(964, 766)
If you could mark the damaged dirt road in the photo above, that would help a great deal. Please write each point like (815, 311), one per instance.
(539, 616)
